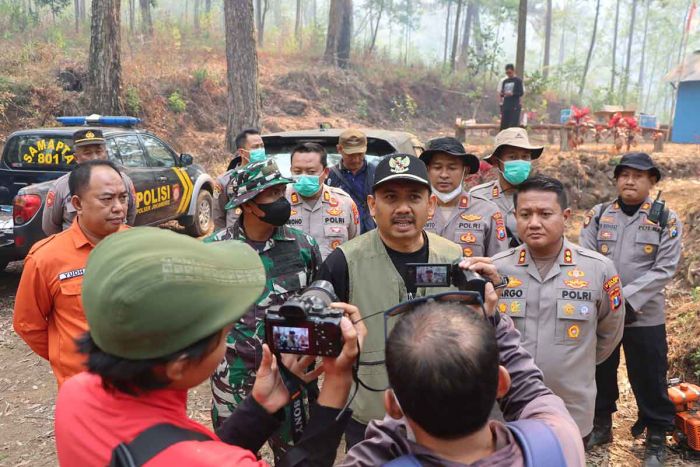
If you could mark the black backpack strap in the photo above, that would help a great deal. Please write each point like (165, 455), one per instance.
(603, 208)
(349, 188)
(150, 442)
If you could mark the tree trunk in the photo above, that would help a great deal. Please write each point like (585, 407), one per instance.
(478, 40)
(242, 69)
(642, 63)
(447, 32)
(132, 15)
(83, 12)
(297, 25)
(197, 25)
(146, 22)
(339, 36)
(207, 7)
(626, 78)
(522, 29)
(562, 38)
(614, 47)
(466, 33)
(455, 37)
(262, 6)
(590, 50)
(376, 28)
(76, 4)
(547, 39)
(104, 66)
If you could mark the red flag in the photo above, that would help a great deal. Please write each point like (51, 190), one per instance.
(691, 13)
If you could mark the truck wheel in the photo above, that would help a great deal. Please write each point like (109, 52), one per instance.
(203, 222)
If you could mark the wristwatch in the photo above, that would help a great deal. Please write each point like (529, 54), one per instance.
(503, 284)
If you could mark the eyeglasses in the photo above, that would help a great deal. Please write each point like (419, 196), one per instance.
(462, 297)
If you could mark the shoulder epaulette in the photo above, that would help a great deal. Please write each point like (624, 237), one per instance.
(504, 254)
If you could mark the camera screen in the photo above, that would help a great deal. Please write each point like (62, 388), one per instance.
(431, 275)
(290, 339)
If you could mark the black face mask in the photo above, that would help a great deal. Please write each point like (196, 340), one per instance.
(277, 213)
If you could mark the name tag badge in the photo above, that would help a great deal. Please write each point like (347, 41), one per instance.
(71, 274)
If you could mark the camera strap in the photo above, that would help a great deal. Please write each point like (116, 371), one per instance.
(295, 386)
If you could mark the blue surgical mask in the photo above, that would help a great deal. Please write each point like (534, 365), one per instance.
(257, 155)
(516, 172)
(307, 185)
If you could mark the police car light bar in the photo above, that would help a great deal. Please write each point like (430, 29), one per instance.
(99, 120)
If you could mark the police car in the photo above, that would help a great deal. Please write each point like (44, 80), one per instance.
(168, 185)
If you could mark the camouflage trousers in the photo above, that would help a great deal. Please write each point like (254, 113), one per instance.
(233, 381)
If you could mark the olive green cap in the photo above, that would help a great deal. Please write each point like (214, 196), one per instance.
(150, 292)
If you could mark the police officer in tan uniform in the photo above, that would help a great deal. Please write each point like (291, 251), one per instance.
(565, 300)
(326, 213)
(512, 157)
(249, 148)
(646, 251)
(88, 144)
(475, 224)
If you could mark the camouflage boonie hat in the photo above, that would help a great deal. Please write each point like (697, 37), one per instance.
(250, 180)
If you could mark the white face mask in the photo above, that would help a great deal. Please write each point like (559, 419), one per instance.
(447, 197)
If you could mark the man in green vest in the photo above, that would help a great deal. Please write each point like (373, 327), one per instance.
(370, 270)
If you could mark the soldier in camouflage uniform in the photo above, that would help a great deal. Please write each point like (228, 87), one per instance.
(291, 259)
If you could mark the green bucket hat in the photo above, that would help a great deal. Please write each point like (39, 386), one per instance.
(149, 292)
(252, 179)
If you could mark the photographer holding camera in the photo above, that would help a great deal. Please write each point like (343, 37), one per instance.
(443, 359)
(371, 271)
(565, 300)
(160, 307)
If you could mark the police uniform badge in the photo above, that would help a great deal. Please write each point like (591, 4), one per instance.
(648, 249)
(399, 164)
(500, 226)
(589, 216)
(468, 238)
(468, 252)
(522, 257)
(604, 248)
(470, 217)
(573, 332)
(576, 283)
(494, 192)
(334, 211)
(295, 198)
(615, 296)
(646, 206)
(50, 198)
(568, 257)
(514, 282)
(464, 202)
(326, 196)
(569, 309)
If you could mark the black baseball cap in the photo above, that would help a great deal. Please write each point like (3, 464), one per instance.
(401, 167)
(453, 147)
(639, 161)
(88, 137)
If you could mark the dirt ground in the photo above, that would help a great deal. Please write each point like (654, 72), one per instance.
(27, 386)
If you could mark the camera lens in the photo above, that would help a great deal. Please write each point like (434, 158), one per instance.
(321, 291)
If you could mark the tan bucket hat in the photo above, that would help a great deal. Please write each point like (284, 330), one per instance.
(516, 137)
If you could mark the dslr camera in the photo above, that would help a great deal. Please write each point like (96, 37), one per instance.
(445, 275)
(306, 324)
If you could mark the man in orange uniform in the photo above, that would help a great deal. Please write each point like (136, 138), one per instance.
(48, 311)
